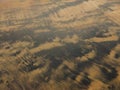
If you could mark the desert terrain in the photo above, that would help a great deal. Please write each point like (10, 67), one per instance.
(59, 44)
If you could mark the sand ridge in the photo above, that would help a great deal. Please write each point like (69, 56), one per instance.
(59, 45)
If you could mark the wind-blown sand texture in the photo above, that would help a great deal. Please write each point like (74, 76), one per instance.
(59, 44)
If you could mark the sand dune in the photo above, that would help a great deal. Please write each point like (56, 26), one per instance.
(59, 45)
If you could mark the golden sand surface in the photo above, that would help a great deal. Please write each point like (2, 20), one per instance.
(59, 44)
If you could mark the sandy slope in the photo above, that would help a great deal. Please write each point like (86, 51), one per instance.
(59, 45)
